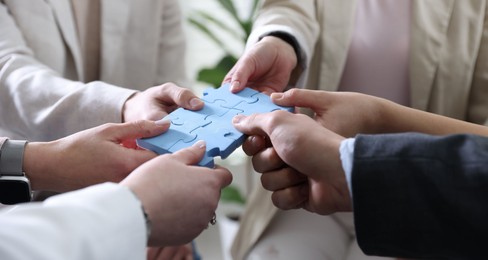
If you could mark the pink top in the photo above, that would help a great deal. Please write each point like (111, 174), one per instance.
(378, 58)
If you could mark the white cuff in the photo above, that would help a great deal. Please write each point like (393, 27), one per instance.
(346, 151)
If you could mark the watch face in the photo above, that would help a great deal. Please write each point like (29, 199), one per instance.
(14, 190)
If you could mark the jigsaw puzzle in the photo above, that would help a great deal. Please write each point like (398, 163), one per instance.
(213, 123)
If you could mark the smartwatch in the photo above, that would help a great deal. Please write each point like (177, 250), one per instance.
(14, 185)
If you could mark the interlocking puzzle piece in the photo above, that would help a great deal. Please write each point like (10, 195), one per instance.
(213, 123)
(246, 95)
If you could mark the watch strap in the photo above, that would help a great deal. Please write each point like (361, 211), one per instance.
(11, 158)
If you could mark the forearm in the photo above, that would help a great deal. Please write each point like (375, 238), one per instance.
(395, 118)
(40, 167)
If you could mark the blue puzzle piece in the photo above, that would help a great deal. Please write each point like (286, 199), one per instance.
(213, 123)
(223, 93)
(162, 144)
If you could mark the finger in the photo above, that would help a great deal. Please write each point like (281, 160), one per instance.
(251, 125)
(282, 179)
(254, 144)
(223, 175)
(301, 98)
(267, 160)
(191, 155)
(289, 198)
(241, 73)
(163, 124)
(183, 252)
(168, 252)
(169, 93)
(134, 129)
(153, 253)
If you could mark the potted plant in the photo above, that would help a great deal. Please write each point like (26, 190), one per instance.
(203, 21)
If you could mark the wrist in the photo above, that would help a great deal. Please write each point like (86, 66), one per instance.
(126, 111)
(290, 40)
(281, 44)
(38, 165)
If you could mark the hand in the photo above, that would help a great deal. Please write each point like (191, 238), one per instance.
(309, 149)
(349, 114)
(184, 252)
(180, 199)
(266, 67)
(345, 113)
(89, 157)
(157, 102)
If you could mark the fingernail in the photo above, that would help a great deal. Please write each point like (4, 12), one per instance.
(195, 102)
(162, 122)
(235, 84)
(276, 95)
(200, 144)
(237, 119)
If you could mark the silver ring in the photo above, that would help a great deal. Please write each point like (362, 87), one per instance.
(213, 221)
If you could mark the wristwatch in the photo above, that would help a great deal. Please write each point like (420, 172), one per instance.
(14, 185)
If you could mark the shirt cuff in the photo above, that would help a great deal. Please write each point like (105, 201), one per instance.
(346, 151)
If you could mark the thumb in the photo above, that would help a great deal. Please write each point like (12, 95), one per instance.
(240, 73)
(139, 129)
(191, 155)
(301, 98)
(223, 175)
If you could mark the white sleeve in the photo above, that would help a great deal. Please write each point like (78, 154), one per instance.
(346, 151)
(104, 221)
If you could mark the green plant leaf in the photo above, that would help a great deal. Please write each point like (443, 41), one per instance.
(231, 194)
(229, 6)
(221, 24)
(216, 74)
(206, 31)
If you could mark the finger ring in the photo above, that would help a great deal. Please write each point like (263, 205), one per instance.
(213, 221)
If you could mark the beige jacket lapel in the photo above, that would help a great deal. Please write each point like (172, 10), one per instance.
(64, 17)
(429, 28)
(114, 22)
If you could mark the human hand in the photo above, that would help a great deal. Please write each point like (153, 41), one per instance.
(184, 252)
(179, 198)
(345, 113)
(96, 155)
(307, 148)
(157, 102)
(266, 67)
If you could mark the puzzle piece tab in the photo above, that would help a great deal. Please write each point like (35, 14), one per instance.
(213, 123)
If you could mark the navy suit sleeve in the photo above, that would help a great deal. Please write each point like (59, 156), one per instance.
(416, 195)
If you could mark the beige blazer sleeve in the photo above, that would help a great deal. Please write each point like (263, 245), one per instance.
(37, 102)
(297, 18)
(42, 90)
